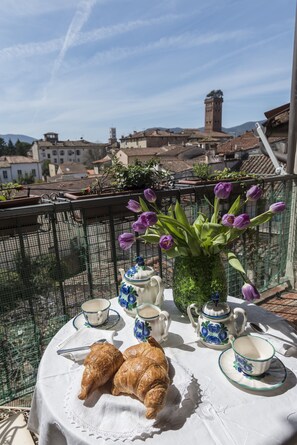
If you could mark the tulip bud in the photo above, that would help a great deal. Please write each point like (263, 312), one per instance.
(228, 220)
(241, 221)
(277, 207)
(134, 206)
(222, 190)
(126, 240)
(249, 292)
(166, 242)
(254, 193)
(150, 195)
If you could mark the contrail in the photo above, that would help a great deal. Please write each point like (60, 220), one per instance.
(80, 18)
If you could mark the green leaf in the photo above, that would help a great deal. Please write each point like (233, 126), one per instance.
(153, 239)
(261, 219)
(214, 218)
(174, 223)
(201, 218)
(143, 205)
(174, 252)
(235, 206)
(219, 239)
(235, 263)
(180, 214)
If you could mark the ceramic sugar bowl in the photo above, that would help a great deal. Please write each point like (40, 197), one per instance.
(217, 322)
(140, 284)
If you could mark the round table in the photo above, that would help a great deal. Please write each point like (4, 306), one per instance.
(225, 413)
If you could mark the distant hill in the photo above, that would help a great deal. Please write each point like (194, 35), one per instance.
(15, 137)
(240, 129)
(235, 131)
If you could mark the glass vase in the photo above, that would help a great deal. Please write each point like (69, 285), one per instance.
(196, 278)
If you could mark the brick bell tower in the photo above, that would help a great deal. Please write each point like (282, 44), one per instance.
(213, 111)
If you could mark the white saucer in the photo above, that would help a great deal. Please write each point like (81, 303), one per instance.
(79, 321)
(272, 379)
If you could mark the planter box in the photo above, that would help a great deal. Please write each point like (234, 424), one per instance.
(95, 214)
(12, 225)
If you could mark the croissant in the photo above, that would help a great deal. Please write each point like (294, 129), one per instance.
(150, 349)
(100, 365)
(145, 379)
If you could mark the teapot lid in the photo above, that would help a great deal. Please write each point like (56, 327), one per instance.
(215, 309)
(139, 272)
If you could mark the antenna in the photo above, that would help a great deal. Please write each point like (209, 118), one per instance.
(279, 169)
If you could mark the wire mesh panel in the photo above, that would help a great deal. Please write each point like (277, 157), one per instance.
(66, 253)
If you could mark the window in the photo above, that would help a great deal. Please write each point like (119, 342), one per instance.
(48, 156)
(61, 160)
(55, 152)
(33, 172)
(5, 176)
(78, 152)
(19, 173)
(62, 152)
(70, 152)
(55, 161)
(43, 155)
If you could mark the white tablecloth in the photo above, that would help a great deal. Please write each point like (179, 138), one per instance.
(226, 415)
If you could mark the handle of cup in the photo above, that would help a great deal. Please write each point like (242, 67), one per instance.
(159, 298)
(237, 311)
(189, 312)
(100, 316)
(166, 317)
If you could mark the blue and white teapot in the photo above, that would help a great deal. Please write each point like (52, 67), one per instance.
(140, 284)
(217, 322)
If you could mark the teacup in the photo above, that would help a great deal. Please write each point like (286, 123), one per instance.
(96, 311)
(151, 321)
(252, 354)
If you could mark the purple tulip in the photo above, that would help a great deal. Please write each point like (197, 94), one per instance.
(126, 240)
(222, 190)
(277, 207)
(137, 226)
(249, 292)
(254, 193)
(148, 219)
(166, 242)
(228, 220)
(241, 221)
(134, 206)
(150, 195)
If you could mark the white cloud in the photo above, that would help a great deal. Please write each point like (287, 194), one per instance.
(187, 40)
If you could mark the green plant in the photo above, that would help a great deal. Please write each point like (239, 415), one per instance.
(11, 289)
(227, 173)
(138, 176)
(176, 236)
(202, 171)
(9, 190)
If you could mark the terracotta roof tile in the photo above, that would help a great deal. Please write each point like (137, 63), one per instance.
(258, 164)
(246, 141)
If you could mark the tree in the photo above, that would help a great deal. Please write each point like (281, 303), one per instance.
(93, 155)
(45, 167)
(22, 148)
(216, 93)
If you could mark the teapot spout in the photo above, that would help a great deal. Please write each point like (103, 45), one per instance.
(122, 272)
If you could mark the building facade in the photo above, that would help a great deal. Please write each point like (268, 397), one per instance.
(58, 152)
(12, 168)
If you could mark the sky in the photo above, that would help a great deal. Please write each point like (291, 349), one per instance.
(79, 67)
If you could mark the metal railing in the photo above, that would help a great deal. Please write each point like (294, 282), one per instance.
(54, 256)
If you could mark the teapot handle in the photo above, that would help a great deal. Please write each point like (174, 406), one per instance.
(167, 320)
(189, 312)
(159, 297)
(237, 311)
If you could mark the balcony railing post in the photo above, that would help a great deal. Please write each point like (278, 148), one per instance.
(291, 264)
(53, 218)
